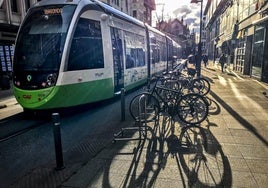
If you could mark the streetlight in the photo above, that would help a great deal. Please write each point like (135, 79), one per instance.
(199, 57)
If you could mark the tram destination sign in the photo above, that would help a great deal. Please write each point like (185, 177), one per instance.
(52, 11)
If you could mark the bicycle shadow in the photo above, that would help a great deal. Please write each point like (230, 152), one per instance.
(198, 157)
(155, 157)
(202, 159)
(213, 107)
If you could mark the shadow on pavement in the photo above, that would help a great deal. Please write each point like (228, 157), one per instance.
(239, 118)
(191, 156)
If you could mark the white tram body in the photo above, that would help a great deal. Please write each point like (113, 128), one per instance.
(74, 52)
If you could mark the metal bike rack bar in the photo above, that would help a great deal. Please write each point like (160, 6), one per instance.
(140, 124)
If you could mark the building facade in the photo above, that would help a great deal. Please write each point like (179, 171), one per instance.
(142, 10)
(238, 28)
(179, 31)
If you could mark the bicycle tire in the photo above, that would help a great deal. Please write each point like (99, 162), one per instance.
(173, 84)
(202, 85)
(192, 108)
(187, 86)
(144, 107)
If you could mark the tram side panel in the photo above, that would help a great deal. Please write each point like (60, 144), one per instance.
(88, 77)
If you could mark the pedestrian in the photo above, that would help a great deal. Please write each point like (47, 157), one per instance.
(222, 61)
(191, 65)
(205, 60)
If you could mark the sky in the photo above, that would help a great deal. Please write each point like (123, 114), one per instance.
(169, 9)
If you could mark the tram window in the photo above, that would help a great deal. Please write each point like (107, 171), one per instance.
(163, 52)
(158, 48)
(155, 48)
(134, 50)
(86, 49)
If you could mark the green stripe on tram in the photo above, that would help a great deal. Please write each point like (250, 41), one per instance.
(65, 95)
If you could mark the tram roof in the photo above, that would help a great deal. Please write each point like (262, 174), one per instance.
(106, 8)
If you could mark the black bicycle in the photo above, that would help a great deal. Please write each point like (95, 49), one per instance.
(187, 82)
(191, 108)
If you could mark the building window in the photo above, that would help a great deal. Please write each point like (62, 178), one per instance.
(240, 56)
(14, 7)
(134, 13)
(116, 2)
(246, 8)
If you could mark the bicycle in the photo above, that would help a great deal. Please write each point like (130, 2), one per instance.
(191, 108)
(188, 83)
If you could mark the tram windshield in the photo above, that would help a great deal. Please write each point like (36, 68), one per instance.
(41, 39)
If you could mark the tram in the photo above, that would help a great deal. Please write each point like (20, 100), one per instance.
(69, 53)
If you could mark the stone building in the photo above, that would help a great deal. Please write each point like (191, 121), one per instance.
(239, 29)
(179, 31)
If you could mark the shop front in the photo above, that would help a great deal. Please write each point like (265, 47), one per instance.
(259, 68)
(6, 57)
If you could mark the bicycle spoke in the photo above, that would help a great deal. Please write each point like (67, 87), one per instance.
(193, 109)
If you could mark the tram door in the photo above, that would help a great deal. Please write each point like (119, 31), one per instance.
(117, 60)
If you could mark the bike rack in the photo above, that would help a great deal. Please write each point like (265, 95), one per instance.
(140, 124)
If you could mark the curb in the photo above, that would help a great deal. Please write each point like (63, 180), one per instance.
(7, 102)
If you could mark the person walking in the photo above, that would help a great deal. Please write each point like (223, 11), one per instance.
(191, 65)
(205, 60)
(222, 61)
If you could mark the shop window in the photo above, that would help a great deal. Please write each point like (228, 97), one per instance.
(6, 57)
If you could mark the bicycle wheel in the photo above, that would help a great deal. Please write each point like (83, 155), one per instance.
(192, 108)
(173, 84)
(144, 107)
(202, 85)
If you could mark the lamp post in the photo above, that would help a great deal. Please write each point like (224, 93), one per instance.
(199, 56)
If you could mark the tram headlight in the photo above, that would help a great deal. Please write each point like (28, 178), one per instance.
(17, 83)
(50, 80)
